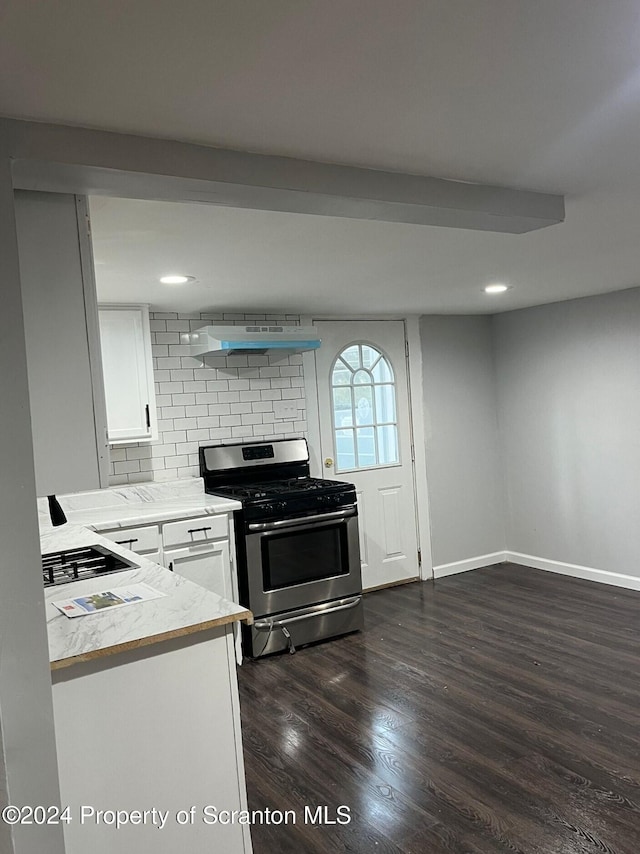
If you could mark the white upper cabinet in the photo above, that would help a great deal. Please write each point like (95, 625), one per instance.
(128, 373)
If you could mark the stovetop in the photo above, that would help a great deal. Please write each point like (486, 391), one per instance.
(289, 487)
(78, 564)
(271, 479)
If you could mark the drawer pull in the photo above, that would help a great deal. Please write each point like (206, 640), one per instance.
(126, 542)
(197, 530)
(171, 566)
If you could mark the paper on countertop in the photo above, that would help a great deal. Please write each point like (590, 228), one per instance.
(117, 597)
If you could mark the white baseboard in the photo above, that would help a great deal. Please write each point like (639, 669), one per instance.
(470, 563)
(602, 576)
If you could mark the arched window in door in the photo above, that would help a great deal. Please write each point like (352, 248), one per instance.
(365, 425)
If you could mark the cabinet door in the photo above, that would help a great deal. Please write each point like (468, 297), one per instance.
(128, 373)
(207, 565)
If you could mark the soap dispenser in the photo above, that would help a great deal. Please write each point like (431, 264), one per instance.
(55, 511)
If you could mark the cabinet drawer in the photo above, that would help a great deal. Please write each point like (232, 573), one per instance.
(195, 530)
(145, 539)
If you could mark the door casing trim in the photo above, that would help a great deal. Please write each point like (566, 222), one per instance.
(416, 423)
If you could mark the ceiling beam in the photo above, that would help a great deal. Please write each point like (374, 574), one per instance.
(58, 158)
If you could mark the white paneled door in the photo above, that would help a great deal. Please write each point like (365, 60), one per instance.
(365, 438)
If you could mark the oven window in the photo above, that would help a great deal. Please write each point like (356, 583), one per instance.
(297, 557)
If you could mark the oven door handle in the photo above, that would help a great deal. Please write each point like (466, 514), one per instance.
(350, 510)
(314, 611)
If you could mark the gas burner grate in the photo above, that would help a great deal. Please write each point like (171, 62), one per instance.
(289, 487)
(76, 564)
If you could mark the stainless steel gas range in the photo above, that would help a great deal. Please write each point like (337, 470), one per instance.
(297, 543)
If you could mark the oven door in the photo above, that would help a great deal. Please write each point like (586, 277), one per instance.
(302, 561)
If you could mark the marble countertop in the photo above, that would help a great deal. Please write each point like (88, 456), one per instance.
(187, 607)
(142, 504)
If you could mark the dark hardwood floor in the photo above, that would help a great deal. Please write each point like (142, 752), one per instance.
(495, 711)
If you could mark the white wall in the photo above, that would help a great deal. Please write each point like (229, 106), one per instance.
(569, 412)
(232, 398)
(58, 359)
(28, 768)
(463, 453)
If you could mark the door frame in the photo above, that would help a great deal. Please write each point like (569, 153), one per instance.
(415, 394)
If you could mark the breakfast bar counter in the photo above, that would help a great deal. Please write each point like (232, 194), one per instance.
(146, 709)
(186, 608)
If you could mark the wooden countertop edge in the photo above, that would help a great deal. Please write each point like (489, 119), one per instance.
(242, 616)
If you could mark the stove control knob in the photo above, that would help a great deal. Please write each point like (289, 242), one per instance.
(281, 505)
(268, 508)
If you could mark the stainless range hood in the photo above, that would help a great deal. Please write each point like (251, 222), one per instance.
(262, 339)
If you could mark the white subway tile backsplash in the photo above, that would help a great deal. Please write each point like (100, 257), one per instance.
(240, 408)
(168, 362)
(188, 471)
(171, 388)
(198, 409)
(164, 450)
(173, 411)
(230, 421)
(166, 474)
(180, 374)
(258, 361)
(253, 418)
(190, 362)
(241, 432)
(215, 399)
(176, 462)
(183, 399)
(220, 433)
(178, 326)
(292, 393)
(187, 448)
(208, 421)
(175, 436)
(138, 452)
(126, 467)
(199, 435)
(184, 423)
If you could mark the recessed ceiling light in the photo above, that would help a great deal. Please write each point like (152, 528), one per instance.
(496, 289)
(177, 280)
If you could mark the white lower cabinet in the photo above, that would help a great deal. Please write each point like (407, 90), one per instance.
(158, 729)
(197, 548)
(206, 563)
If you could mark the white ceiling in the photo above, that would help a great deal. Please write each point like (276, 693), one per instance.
(543, 95)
